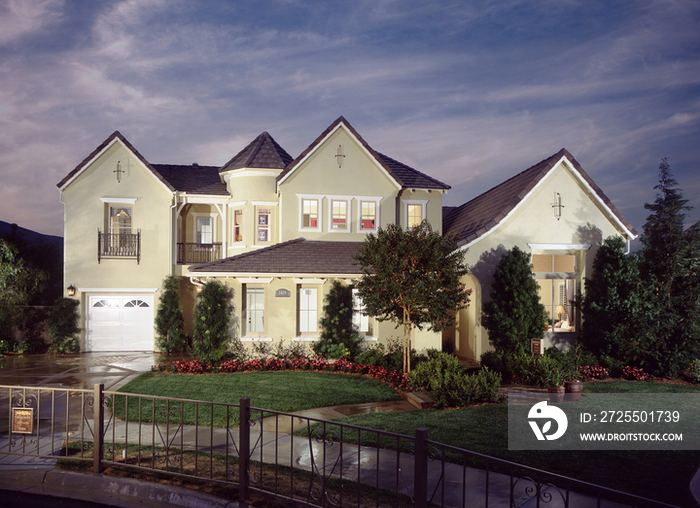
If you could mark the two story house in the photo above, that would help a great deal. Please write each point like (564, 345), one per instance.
(273, 228)
(277, 229)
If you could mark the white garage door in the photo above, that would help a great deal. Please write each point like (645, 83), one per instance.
(120, 323)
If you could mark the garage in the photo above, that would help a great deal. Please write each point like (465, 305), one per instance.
(120, 323)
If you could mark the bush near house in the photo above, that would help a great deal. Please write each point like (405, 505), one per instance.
(514, 314)
(339, 337)
(212, 323)
(63, 326)
(450, 383)
(169, 319)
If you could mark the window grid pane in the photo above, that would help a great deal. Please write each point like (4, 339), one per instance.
(340, 214)
(368, 217)
(415, 215)
(310, 213)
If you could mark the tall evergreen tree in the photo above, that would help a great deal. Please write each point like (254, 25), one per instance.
(514, 314)
(339, 336)
(669, 265)
(169, 320)
(212, 322)
(412, 277)
(612, 301)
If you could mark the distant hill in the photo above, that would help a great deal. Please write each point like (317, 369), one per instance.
(31, 237)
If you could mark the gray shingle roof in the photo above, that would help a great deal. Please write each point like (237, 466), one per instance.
(298, 256)
(194, 179)
(404, 175)
(262, 152)
(483, 213)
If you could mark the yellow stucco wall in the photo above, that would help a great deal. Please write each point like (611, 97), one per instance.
(583, 221)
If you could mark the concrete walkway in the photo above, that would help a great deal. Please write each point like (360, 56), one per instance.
(272, 441)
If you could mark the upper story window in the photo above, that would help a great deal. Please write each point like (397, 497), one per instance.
(120, 220)
(416, 211)
(238, 226)
(264, 225)
(340, 215)
(310, 213)
(369, 215)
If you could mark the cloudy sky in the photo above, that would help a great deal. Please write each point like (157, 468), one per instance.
(470, 92)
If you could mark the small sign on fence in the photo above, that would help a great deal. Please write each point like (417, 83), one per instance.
(23, 420)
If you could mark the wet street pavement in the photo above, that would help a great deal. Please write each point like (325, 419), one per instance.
(83, 370)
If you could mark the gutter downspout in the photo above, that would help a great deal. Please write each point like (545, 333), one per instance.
(398, 207)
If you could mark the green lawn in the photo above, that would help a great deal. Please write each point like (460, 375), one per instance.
(277, 391)
(662, 475)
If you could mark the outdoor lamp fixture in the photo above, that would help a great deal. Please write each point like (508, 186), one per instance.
(559, 311)
(70, 290)
(119, 172)
(557, 206)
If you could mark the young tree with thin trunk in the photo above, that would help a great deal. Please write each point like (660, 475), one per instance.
(412, 277)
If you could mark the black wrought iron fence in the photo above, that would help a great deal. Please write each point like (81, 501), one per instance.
(310, 461)
(193, 253)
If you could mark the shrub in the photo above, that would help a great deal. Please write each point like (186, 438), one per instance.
(339, 336)
(63, 326)
(636, 374)
(450, 384)
(212, 326)
(587, 372)
(694, 370)
(614, 365)
(169, 320)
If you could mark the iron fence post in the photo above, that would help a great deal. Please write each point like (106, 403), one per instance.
(420, 471)
(99, 413)
(244, 449)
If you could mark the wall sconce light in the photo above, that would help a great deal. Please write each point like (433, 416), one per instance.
(71, 290)
(339, 156)
(119, 172)
(557, 206)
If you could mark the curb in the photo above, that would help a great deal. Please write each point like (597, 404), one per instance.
(109, 490)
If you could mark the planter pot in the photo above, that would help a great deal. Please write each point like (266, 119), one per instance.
(573, 391)
(556, 394)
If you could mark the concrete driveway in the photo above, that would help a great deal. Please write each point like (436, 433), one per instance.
(83, 370)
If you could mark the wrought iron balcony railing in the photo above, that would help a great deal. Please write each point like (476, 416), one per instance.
(195, 253)
(119, 245)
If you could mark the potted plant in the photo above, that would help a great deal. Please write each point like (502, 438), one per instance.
(556, 384)
(572, 384)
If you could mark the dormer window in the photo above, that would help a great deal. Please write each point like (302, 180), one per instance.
(415, 211)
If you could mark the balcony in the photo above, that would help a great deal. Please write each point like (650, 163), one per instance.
(119, 246)
(196, 253)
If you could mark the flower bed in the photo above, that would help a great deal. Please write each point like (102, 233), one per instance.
(393, 378)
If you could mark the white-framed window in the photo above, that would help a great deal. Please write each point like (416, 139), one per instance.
(263, 226)
(359, 318)
(310, 214)
(368, 219)
(238, 225)
(557, 277)
(308, 310)
(255, 310)
(339, 215)
(416, 212)
(120, 219)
